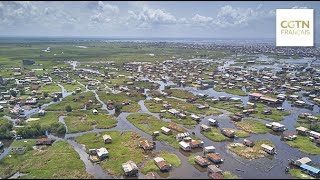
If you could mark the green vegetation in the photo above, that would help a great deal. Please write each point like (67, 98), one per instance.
(124, 147)
(181, 105)
(31, 131)
(183, 94)
(80, 121)
(191, 159)
(229, 175)
(252, 126)
(120, 97)
(173, 159)
(152, 106)
(306, 121)
(142, 84)
(155, 93)
(131, 108)
(214, 135)
(72, 87)
(118, 81)
(49, 88)
(275, 116)
(225, 105)
(49, 122)
(297, 173)
(230, 91)
(5, 128)
(304, 145)
(251, 152)
(68, 108)
(76, 102)
(149, 124)
(56, 161)
(239, 133)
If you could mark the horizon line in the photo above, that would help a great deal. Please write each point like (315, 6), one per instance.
(136, 37)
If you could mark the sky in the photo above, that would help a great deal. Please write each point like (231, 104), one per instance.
(146, 19)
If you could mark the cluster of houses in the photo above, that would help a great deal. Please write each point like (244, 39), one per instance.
(131, 169)
(100, 154)
(313, 135)
(185, 72)
(275, 126)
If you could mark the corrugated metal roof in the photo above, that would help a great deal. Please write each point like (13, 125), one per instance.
(310, 168)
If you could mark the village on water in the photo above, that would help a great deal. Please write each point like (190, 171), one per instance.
(155, 109)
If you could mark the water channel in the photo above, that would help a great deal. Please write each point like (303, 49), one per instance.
(270, 167)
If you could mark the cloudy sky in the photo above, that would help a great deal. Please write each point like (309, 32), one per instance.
(145, 18)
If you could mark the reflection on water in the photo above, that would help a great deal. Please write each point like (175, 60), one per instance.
(199, 168)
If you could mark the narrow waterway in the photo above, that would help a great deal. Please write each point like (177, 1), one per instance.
(271, 167)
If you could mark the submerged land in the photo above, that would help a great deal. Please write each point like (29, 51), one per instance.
(73, 112)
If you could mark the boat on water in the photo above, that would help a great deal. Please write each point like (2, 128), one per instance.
(1, 144)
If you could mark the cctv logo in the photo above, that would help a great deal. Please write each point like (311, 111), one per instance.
(294, 27)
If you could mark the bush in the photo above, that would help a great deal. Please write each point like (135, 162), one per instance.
(5, 129)
(68, 108)
(32, 131)
(57, 128)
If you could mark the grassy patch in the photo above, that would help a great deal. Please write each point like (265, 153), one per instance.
(131, 108)
(229, 175)
(83, 99)
(191, 159)
(183, 94)
(189, 126)
(230, 91)
(297, 173)
(124, 147)
(120, 97)
(52, 88)
(304, 145)
(214, 135)
(152, 106)
(3, 120)
(251, 153)
(275, 116)
(56, 161)
(225, 105)
(72, 87)
(188, 107)
(252, 126)
(149, 124)
(150, 166)
(211, 112)
(240, 133)
(48, 119)
(80, 121)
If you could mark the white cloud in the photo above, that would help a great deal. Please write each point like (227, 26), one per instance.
(102, 6)
(229, 16)
(99, 18)
(148, 17)
(201, 19)
(108, 7)
(13, 12)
